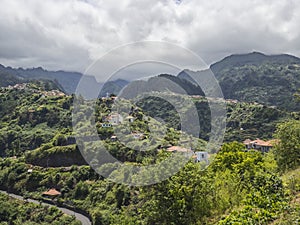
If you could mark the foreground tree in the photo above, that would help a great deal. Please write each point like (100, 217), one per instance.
(287, 150)
(182, 199)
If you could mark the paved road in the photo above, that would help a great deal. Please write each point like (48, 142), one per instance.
(83, 219)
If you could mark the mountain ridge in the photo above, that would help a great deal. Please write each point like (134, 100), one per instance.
(252, 58)
(68, 80)
(267, 79)
(255, 76)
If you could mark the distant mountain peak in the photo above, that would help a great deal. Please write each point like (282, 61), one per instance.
(257, 53)
(254, 53)
(67, 81)
(254, 58)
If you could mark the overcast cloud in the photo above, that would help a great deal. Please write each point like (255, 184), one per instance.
(70, 34)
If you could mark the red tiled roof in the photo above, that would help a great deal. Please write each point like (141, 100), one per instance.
(247, 141)
(177, 149)
(52, 192)
(269, 143)
(262, 143)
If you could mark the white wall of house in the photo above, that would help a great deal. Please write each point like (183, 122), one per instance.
(202, 156)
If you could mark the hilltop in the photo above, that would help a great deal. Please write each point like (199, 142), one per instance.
(271, 80)
(255, 77)
(67, 81)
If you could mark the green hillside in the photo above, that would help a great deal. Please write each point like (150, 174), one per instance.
(30, 118)
(240, 186)
(28, 213)
(67, 81)
(255, 77)
(244, 120)
(271, 80)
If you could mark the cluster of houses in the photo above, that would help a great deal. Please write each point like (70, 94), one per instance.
(135, 134)
(115, 119)
(109, 97)
(233, 101)
(52, 93)
(22, 86)
(202, 156)
(26, 86)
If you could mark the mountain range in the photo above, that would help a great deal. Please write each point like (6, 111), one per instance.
(272, 80)
(254, 77)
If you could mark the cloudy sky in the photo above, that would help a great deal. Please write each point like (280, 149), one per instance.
(71, 34)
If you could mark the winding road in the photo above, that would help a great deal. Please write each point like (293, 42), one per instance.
(83, 219)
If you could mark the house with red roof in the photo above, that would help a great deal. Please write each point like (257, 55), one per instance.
(52, 193)
(178, 149)
(258, 144)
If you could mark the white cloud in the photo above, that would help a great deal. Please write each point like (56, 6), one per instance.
(70, 34)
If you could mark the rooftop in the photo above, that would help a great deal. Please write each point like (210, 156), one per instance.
(52, 192)
(260, 142)
(178, 149)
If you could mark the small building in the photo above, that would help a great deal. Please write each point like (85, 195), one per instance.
(263, 146)
(114, 98)
(202, 156)
(247, 143)
(130, 119)
(53, 93)
(52, 193)
(113, 138)
(105, 119)
(115, 119)
(176, 149)
(137, 135)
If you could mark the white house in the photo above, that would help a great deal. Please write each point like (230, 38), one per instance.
(202, 156)
(115, 119)
(130, 119)
(137, 135)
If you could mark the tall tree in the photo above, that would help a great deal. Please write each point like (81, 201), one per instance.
(287, 150)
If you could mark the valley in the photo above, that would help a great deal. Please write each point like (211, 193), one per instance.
(42, 134)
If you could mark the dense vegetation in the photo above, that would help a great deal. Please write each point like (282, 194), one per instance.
(7, 79)
(239, 186)
(29, 118)
(244, 120)
(243, 186)
(269, 80)
(67, 81)
(255, 77)
(16, 212)
(287, 151)
(267, 84)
